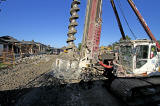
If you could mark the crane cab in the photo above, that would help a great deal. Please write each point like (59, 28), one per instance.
(139, 58)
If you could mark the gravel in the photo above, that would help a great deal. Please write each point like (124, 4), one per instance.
(24, 71)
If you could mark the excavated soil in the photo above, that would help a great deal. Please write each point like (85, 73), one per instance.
(32, 83)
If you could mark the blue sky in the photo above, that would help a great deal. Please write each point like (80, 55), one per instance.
(46, 21)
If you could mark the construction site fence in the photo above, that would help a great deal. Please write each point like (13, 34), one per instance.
(7, 58)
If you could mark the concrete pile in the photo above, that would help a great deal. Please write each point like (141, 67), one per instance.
(66, 67)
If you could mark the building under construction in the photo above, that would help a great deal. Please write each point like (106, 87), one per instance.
(11, 48)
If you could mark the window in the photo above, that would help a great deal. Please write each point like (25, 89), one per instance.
(142, 51)
(126, 57)
(141, 55)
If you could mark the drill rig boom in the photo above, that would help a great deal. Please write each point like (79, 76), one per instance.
(143, 23)
(92, 31)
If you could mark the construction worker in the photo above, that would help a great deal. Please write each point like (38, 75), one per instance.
(108, 70)
(153, 52)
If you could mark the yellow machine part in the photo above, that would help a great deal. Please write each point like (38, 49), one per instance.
(159, 69)
(65, 51)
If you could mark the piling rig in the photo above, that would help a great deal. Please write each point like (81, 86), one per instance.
(137, 67)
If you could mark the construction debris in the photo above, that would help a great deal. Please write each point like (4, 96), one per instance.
(35, 79)
(26, 70)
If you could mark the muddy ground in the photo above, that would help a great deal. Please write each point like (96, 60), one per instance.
(32, 83)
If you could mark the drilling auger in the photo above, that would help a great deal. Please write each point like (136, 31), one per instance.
(73, 24)
(67, 64)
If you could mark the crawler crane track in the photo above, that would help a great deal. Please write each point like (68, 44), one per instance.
(137, 91)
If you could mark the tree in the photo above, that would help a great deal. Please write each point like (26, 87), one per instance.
(79, 46)
(127, 38)
(159, 41)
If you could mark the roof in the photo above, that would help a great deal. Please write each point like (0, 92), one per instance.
(2, 41)
(31, 43)
(40, 43)
(8, 39)
(139, 41)
(27, 42)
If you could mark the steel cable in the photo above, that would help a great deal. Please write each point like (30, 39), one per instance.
(120, 6)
